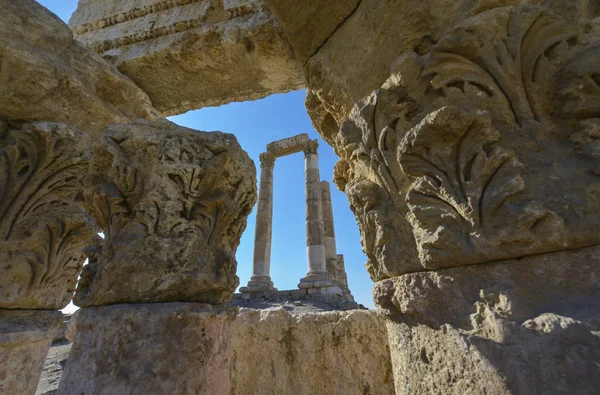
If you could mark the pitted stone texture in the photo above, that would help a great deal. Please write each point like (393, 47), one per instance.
(47, 76)
(191, 54)
(42, 231)
(512, 327)
(479, 147)
(275, 352)
(25, 338)
(309, 23)
(172, 203)
(356, 58)
(158, 348)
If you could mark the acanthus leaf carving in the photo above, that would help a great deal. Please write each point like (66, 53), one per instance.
(172, 203)
(43, 232)
(495, 130)
(468, 195)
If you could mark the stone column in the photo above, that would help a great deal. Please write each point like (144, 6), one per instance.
(43, 234)
(261, 265)
(317, 276)
(172, 204)
(329, 231)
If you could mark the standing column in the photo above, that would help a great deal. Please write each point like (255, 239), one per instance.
(335, 262)
(329, 231)
(261, 267)
(317, 276)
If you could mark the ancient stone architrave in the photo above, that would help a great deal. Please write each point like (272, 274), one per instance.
(480, 149)
(47, 76)
(42, 231)
(25, 337)
(172, 203)
(192, 39)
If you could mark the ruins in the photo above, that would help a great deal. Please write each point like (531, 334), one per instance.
(326, 272)
(468, 137)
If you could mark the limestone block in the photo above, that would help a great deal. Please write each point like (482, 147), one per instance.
(276, 352)
(25, 338)
(172, 203)
(43, 232)
(191, 54)
(475, 151)
(47, 76)
(523, 326)
(309, 23)
(158, 348)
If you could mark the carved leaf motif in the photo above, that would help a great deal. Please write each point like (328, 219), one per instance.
(41, 167)
(509, 73)
(459, 173)
(467, 192)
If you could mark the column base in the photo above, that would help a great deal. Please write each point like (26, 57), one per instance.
(259, 284)
(25, 338)
(319, 282)
(154, 348)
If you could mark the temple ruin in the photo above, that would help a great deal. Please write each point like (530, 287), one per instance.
(468, 137)
(326, 272)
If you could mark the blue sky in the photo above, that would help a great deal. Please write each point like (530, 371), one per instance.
(255, 124)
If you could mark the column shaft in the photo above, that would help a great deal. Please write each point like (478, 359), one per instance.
(317, 278)
(261, 266)
(315, 233)
(329, 231)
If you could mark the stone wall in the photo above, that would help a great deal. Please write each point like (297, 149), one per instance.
(271, 351)
(276, 352)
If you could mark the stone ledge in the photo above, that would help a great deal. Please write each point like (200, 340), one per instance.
(336, 301)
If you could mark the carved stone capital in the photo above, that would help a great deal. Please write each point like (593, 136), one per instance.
(480, 148)
(311, 147)
(43, 232)
(172, 204)
(267, 160)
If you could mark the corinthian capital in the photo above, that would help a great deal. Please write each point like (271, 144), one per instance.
(311, 147)
(43, 232)
(267, 160)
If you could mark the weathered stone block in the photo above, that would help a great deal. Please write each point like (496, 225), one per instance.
(196, 41)
(512, 327)
(25, 338)
(172, 203)
(480, 144)
(47, 76)
(182, 348)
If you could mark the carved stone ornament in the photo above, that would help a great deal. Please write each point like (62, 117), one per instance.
(267, 160)
(312, 147)
(486, 147)
(42, 231)
(172, 203)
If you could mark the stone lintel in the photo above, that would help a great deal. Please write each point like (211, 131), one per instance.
(288, 146)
